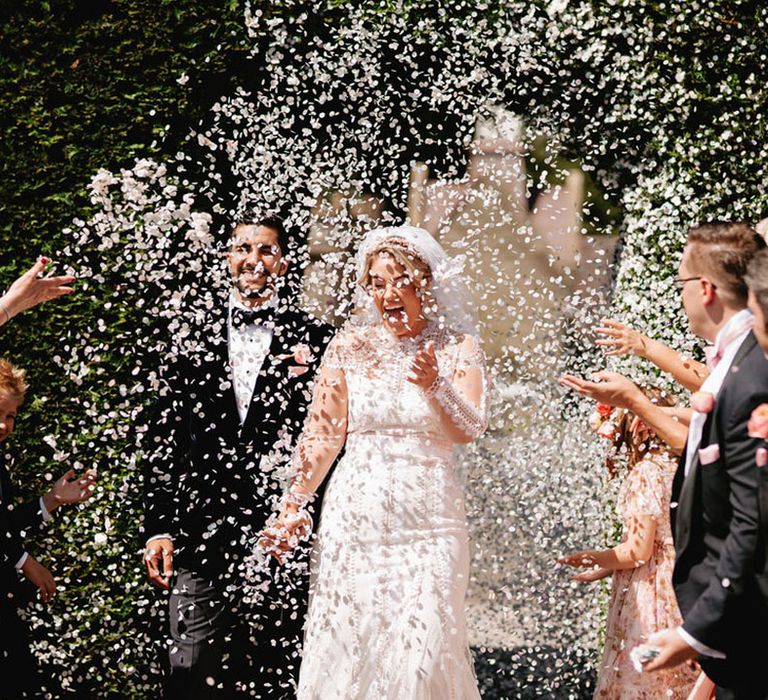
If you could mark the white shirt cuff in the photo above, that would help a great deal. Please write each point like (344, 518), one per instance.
(22, 561)
(163, 535)
(703, 649)
(44, 511)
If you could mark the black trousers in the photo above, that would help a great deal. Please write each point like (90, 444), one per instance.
(218, 651)
(19, 673)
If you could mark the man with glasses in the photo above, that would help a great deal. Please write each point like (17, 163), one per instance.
(714, 509)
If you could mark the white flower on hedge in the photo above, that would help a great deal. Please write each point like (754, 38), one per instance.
(101, 182)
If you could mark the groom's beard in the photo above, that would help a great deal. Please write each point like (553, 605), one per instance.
(267, 289)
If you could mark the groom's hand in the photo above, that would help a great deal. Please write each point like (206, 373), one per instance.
(610, 388)
(159, 551)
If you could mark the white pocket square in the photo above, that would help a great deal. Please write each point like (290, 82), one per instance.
(709, 454)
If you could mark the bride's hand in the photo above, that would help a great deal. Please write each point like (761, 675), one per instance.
(424, 369)
(282, 535)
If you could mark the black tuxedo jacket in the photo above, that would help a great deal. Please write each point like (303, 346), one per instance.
(16, 521)
(719, 575)
(210, 482)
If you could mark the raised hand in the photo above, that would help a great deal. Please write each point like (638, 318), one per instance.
(424, 370)
(619, 339)
(70, 489)
(610, 388)
(30, 289)
(159, 550)
(40, 578)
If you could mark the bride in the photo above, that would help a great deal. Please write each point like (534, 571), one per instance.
(398, 387)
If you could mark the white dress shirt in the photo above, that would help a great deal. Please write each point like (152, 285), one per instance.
(727, 345)
(248, 347)
(713, 383)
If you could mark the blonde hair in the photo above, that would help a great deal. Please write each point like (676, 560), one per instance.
(401, 252)
(13, 381)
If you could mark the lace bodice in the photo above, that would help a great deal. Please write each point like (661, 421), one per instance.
(380, 398)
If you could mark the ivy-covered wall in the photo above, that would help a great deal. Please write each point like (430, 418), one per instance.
(663, 103)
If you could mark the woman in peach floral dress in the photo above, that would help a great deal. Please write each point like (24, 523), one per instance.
(642, 599)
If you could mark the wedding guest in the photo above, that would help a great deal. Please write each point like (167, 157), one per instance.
(714, 509)
(619, 339)
(30, 289)
(18, 669)
(757, 281)
(642, 598)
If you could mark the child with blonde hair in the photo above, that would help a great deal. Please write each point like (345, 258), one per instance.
(18, 668)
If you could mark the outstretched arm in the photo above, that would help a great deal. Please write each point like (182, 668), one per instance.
(619, 339)
(30, 289)
(616, 390)
(318, 446)
(635, 551)
(461, 402)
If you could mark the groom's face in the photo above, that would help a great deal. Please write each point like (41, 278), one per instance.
(255, 261)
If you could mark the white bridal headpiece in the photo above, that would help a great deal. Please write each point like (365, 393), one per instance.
(447, 286)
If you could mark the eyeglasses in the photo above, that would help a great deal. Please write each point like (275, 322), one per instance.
(680, 281)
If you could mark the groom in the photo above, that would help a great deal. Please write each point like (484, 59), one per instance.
(228, 412)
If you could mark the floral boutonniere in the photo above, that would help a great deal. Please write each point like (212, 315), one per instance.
(302, 356)
(703, 402)
(757, 427)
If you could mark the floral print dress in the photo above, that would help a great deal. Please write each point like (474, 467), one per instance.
(642, 599)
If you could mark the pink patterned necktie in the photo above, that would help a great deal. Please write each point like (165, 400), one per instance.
(714, 353)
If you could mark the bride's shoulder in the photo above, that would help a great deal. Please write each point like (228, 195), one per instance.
(465, 346)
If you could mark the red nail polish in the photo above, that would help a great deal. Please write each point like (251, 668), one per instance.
(44, 260)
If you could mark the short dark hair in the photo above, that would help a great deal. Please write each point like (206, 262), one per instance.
(723, 249)
(757, 279)
(272, 221)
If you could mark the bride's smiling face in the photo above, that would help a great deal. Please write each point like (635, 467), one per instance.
(396, 295)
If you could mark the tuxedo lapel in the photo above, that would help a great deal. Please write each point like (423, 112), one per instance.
(274, 385)
(214, 369)
(687, 491)
(685, 502)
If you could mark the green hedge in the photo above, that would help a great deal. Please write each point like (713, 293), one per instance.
(663, 104)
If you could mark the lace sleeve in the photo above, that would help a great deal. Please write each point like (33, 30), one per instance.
(469, 380)
(325, 428)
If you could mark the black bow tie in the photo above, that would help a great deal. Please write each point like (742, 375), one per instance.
(244, 317)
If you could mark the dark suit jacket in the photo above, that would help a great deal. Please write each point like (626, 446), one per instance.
(205, 481)
(715, 520)
(16, 522)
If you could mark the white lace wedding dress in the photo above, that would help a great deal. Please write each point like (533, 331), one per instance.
(390, 564)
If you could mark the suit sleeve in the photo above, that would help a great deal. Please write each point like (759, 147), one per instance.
(12, 545)
(707, 621)
(166, 450)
